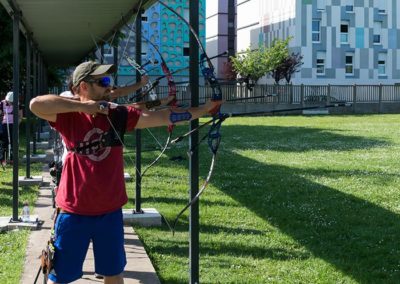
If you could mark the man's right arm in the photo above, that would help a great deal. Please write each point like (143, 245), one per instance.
(124, 91)
(48, 106)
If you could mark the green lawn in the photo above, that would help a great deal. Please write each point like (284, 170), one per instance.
(13, 244)
(293, 200)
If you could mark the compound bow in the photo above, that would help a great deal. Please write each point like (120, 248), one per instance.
(214, 136)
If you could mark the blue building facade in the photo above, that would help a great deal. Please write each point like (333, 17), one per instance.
(165, 30)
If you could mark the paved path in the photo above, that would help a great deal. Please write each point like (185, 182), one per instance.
(138, 270)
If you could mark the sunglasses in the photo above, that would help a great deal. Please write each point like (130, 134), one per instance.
(104, 82)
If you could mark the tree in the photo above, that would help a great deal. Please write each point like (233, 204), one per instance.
(254, 64)
(287, 68)
(228, 71)
(6, 47)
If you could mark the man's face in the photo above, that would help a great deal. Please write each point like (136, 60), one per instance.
(99, 87)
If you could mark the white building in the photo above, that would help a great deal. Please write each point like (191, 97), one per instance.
(342, 41)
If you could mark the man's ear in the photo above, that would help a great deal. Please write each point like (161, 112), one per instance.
(83, 86)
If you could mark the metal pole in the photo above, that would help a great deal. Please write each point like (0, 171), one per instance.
(45, 76)
(231, 28)
(39, 76)
(102, 54)
(116, 64)
(15, 113)
(138, 57)
(193, 141)
(380, 97)
(27, 111)
(354, 97)
(35, 92)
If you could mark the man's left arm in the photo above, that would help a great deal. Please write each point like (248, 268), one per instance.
(166, 117)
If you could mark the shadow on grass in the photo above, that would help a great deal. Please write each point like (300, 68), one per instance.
(356, 236)
(295, 139)
(180, 201)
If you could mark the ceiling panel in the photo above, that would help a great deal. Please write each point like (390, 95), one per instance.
(66, 30)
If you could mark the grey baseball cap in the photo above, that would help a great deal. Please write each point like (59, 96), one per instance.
(90, 68)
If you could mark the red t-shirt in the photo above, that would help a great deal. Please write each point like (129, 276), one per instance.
(91, 184)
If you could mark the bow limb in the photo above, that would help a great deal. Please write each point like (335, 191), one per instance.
(170, 101)
(214, 137)
(197, 196)
(164, 68)
(148, 87)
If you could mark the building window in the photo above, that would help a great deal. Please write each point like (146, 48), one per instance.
(108, 50)
(382, 64)
(321, 5)
(320, 63)
(377, 32)
(382, 7)
(349, 64)
(316, 30)
(344, 32)
(186, 51)
(349, 8)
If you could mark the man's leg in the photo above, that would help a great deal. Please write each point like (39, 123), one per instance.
(10, 158)
(108, 247)
(72, 237)
(117, 279)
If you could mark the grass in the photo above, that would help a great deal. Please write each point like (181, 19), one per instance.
(292, 200)
(12, 254)
(13, 243)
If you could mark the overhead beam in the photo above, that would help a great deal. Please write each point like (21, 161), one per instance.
(12, 7)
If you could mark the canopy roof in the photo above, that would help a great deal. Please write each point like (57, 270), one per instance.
(65, 31)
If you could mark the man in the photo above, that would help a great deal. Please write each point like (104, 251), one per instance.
(92, 188)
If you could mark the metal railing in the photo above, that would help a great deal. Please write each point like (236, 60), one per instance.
(289, 94)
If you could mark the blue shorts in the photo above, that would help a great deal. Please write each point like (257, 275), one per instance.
(73, 234)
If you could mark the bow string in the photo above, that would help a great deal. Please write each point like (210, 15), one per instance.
(214, 136)
(171, 94)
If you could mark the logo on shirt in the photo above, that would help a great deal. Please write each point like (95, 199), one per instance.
(93, 137)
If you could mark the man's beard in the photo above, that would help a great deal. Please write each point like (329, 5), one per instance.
(106, 96)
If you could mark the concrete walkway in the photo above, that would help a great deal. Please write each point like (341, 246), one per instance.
(138, 270)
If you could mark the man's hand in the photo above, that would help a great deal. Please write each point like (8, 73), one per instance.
(212, 106)
(144, 80)
(95, 107)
